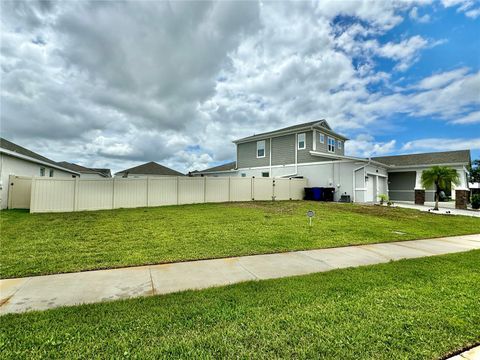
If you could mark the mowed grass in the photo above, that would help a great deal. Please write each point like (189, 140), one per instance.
(416, 309)
(35, 244)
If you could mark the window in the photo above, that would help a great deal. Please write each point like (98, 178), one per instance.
(261, 149)
(322, 138)
(265, 174)
(42, 171)
(50, 173)
(301, 141)
(244, 175)
(339, 144)
(331, 144)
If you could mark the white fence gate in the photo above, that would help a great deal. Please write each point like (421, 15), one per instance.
(19, 191)
(63, 195)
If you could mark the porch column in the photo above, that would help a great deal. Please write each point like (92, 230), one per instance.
(419, 190)
(461, 191)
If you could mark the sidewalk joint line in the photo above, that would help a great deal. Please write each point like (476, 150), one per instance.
(251, 273)
(151, 280)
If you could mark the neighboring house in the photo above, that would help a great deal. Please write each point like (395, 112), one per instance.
(149, 169)
(314, 151)
(87, 173)
(405, 172)
(474, 188)
(19, 161)
(220, 170)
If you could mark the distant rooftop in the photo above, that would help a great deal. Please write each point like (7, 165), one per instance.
(224, 167)
(151, 168)
(444, 157)
(319, 123)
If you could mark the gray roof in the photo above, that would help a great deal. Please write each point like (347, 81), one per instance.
(445, 157)
(151, 168)
(224, 167)
(104, 171)
(10, 146)
(318, 123)
(82, 169)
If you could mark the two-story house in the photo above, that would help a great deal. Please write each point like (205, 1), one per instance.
(314, 151)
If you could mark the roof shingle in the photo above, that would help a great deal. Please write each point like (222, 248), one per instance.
(151, 168)
(434, 158)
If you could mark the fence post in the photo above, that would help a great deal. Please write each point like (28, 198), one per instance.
(273, 190)
(10, 191)
(113, 193)
(148, 191)
(177, 188)
(229, 188)
(75, 194)
(204, 189)
(252, 188)
(32, 193)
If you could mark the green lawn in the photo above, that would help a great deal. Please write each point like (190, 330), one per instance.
(34, 244)
(415, 309)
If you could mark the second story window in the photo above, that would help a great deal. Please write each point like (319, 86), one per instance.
(42, 171)
(322, 139)
(261, 149)
(331, 145)
(339, 144)
(50, 173)
(301, 141)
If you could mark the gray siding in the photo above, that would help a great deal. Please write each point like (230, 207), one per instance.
(283, 150)
(247, 155)
(324, 147)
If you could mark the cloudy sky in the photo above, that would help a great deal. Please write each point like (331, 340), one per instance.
(114, 83)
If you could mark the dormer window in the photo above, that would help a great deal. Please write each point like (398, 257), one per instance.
(331, 145)
(301, 141)
(322, 138)
(261, 149)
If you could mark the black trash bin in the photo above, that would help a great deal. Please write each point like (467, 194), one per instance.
(328, 194)
(308, 194)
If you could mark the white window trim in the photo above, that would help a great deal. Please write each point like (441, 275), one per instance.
(322, 138)
(304, 141)
(264, 148)
(328, 145)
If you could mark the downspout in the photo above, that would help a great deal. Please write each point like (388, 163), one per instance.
(296, 153)
(270, 156)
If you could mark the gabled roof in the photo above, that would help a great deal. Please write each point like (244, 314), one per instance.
(82, 169)
(150, 168)
(434, 158)
(220, 168)
(14, 149)
(319, 124)
(106, 172)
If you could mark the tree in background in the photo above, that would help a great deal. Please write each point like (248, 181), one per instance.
(441, 177)
(474, 172)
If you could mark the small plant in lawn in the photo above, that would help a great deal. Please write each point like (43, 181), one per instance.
(383, 198)
(476, 201)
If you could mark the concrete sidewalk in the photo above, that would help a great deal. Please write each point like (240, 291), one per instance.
(45, 292)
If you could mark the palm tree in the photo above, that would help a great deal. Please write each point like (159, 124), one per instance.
(441, 177)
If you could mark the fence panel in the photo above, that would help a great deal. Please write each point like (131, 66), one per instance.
(240, 189)
(57, 194)
(281, 189)
(130, 193)
(95, 194)
(262, 188)
(297, 188)
(217, 189)
(52, 195)
(162, 191)
(19, 192)
(191, 190)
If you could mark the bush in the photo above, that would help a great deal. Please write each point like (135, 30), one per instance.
(476, 201)
(383, 198)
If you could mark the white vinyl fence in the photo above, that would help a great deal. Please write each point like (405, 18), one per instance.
(63, 195)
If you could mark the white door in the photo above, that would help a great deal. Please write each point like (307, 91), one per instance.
(370, 188)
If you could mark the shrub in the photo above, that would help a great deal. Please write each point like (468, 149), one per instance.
(476, 201)
(383, 198)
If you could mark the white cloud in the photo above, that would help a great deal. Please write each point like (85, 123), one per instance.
(472, 118)
(414, 15)
(441, 144)
(364, 145)
(439, 80)
(469, 7)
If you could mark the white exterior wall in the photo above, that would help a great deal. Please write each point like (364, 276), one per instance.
(10, 165)
(91, 176)
(338, 174)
